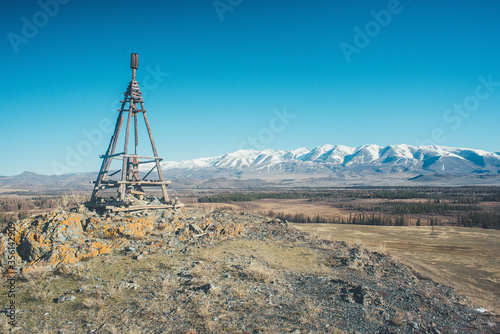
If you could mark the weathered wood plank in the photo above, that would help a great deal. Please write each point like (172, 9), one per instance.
(103, 156)
(140, 157)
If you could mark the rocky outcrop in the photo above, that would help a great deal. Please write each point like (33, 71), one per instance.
(62, 237)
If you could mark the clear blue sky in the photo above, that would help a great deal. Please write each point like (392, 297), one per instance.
(233, 64)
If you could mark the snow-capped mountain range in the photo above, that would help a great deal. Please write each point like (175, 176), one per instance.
(330, 160)
(323, 166)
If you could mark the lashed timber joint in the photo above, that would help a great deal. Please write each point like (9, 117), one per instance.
(131, 185)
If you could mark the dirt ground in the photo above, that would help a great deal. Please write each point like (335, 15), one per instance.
(464, 258)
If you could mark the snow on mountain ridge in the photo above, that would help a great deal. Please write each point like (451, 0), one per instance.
(363, 155)
(392, 158)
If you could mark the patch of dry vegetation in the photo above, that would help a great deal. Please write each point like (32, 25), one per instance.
(465, 258)
(260, 273)
(275, 254)
(37, 273)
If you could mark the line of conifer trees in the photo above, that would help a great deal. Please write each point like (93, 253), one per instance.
(472, 219)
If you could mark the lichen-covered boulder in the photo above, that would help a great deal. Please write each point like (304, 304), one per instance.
(53, 239)
(38, 237)
(118, 227)
(61, 237)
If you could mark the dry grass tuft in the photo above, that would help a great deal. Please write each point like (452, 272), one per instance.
(239, 290)
(134, 330)
(356, 242)
(4, 325)
(93, 303)
(39, 294)
(335, 330)
(210, 326)
(398, 320)
(312, 310)
(382, 249)
(46, 329)
(78, 199)
(113, 290)
(110, 328)
(260, 273)
(37, 273)
(201, 274)
(204, 308)
(62, 270)
(168, 286)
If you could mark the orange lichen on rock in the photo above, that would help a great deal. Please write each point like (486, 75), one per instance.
(53, 239)
(206, 223)
(137, 227)
(130, 227)
(68, 237)
(66, 254)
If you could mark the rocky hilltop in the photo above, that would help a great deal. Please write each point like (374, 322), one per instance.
(196, 271)
(63, 238)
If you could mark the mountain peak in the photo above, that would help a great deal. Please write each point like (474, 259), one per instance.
(330, 159)
(28, 174)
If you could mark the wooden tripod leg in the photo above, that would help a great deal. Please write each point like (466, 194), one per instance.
(136, 133)
(123, 187)
(158, 164)
(107, 160)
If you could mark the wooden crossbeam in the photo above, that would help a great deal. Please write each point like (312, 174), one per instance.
(102, 156)
(139, 156)
(147, 174)
(146, 182)
(118, 171)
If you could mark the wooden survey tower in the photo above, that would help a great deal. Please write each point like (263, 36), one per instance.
(131, 185)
